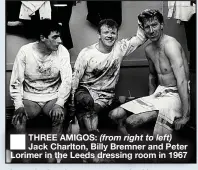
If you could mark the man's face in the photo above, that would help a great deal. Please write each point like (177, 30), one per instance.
(53, 41)
(153, 29)
(108, 35)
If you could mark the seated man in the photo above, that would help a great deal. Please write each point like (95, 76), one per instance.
(96, 73)
(168, 99)
(41, 79)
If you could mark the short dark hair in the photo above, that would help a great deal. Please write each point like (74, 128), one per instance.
(46, 26)
(109, 22)
(150, 13)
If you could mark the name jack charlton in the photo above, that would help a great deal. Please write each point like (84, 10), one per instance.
(57, 146)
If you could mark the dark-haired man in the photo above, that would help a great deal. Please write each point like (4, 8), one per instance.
(96, 73)
(168, 99)
(41, 79)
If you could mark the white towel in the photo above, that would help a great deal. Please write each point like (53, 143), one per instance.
(180, 10)
(28, 8)
(166, 100)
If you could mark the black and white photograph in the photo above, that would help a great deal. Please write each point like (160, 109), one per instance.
(100, 82)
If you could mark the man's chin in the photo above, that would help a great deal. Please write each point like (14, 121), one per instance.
(153, 39)
(110, 44)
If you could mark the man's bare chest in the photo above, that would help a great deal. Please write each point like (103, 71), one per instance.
(161, 62)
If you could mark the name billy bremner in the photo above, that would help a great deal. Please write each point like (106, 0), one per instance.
(51, 142)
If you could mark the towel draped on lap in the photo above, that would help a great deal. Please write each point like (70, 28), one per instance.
(166, 101)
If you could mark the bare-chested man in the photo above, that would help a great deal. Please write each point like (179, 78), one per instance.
(168, 99)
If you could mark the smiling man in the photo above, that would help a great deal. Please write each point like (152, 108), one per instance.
(96, 73)
(168, 82)
(41, 79)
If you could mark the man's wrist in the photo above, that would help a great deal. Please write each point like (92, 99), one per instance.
(59, 105)
(17, 105)
(60, 102)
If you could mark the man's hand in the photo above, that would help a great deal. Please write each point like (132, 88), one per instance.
(19, 114)
(57, 113)
(180, 122)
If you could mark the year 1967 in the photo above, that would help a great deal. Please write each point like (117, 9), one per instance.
(179, 155)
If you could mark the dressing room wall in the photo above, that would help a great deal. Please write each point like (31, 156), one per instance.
(134, 71)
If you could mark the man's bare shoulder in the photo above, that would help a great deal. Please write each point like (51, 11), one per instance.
(172, 49)
(171, 42)
(148, 49)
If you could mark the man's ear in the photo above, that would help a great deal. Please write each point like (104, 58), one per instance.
(99, 36)
(162, 26)
(42, 38)
(117, 35)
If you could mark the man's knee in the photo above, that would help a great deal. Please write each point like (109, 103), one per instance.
(98, 108)
(117, 113)
(133, 121)
(84, 102)
(48, 106)
(32, 108)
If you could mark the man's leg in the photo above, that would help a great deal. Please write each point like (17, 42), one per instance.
(119, 115)
(136, 120)
(57, 125)
(97, 110)
(86, 110)
(32, 109)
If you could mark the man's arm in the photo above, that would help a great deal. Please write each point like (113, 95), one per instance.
(173, 52)
(131, 44)
(16, 87)
(152, 73)
(17, 78)
(66, 79)
(79, 69)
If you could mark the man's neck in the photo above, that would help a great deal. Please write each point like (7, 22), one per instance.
(158, 43)
(103, 49)
(42, 49)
